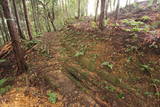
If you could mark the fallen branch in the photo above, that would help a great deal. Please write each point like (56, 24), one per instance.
(5, 50)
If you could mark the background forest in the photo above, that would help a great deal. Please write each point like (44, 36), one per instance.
(49, 15)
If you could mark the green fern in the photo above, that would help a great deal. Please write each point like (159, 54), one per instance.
(4, 89)
(52, 97)
(107, 64)
(2, 60)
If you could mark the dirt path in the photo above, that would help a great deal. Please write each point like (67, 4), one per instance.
(52, 70)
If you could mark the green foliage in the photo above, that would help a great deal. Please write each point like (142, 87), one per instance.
(132, 22)
(44, 52)
(131, 48)
(121, 95)
(31, 43)
(94, 24)
(110, 88)
(156, 81)
(3, 88)
(148, 93)
(2, 81)
(157, 94)
(145, 18)
(80, 53)
(106, 22)
(52, 97)
(2, 60)
(129, 59)
(136, 26)
(107, 64)
(156, 25)
(145, 67)
(115, 24)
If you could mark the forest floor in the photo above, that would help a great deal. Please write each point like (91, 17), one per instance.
(87, 67)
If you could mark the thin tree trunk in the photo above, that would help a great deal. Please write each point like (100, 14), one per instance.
(79, 8)
(96, 10)
(37, 16)
(106, 9)
(3, 35)
(34, 16)
(4, 26)
(17, 19)
(26, 18)
(117, 10)
(155, 1)
(14, 38)
(52, 18)
(101, 19)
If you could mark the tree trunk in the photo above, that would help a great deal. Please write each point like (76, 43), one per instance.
(34, 15)
(17, 19)
(96, 10)
(101, 19)
(14, 38)
(3, 35)
(37, 16)
(155, 1)
(26, 18)
(4, 26)
(106, 9)
(117, 10)
(79, 8)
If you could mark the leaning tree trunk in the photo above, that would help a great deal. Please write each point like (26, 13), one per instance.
(101, 18)
(26, 18)
(17, 19)
(14, 38)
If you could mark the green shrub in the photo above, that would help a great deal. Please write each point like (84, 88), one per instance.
(94, 24)
(131, 22)
(2, 60)
(110, 88)
(31, 43)
(3, 88)
(156, 25)
(136, 26)
(107, 64)
(145, 18)
(52, 97)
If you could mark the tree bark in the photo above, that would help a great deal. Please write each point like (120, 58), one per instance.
(34, 15)
(17, 19)
(117, 10)
(26, 18)
(155, 1)
(101, 19)
(3, 35)
(106, 9)
(14, 38)
(4, 26)
(79, 8)
(37, 16)
(96, 10)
